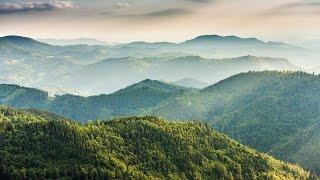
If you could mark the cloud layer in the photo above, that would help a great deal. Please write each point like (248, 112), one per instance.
(168, 12)
(299, 7)
(8, 8)
(149, 20)
(122, 5)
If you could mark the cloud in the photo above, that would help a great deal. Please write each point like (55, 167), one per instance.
(167, 12)
(301, 4)
(201, 1)
(121, 5)
(300, 7)
(152, 14)
(8, 8)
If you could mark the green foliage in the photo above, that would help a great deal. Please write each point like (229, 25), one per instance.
(40, 145)
(131, 100)
(273, 112)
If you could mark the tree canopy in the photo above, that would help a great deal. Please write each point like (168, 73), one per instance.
(38, 145)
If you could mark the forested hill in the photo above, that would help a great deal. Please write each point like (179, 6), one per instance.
(151, 84)
(128, 101)
(44, 146)
(274, 112)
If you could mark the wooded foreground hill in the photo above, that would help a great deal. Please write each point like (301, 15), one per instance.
(40, 145)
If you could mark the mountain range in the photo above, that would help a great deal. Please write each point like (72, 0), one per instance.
(273, 112)
(89, 70)
(219, 47)
(112, 74)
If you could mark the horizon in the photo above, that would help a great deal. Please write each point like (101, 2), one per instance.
(137, 40)
(289, 21)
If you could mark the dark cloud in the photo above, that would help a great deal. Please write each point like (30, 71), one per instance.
(8, 8)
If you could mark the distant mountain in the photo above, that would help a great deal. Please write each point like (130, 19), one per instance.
(214, 46)
(115, 73)
(40, 145)
(66, 42)
(88, 70)
(23, 48)
(28, 62)
(215, 40)
(19, 48)
(192, 83)
(218, 47)
(232, 41)
(23, 42)
(30, 70)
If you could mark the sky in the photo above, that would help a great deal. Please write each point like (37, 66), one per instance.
(293, 21)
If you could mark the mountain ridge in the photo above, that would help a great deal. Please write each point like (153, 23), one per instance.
(226, 39)
(141, 95)
(197, 38)
(22, 41)
(78, 41)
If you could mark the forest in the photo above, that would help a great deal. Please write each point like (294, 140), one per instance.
(41, 145)
(274, 112)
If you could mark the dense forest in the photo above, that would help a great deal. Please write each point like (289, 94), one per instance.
(273, 112)
(40, 145)
(129, 101)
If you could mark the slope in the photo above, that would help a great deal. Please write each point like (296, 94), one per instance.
(127, 148)
(274, 112)
(131, 100)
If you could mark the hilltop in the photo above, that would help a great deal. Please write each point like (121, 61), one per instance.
(128, 101)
